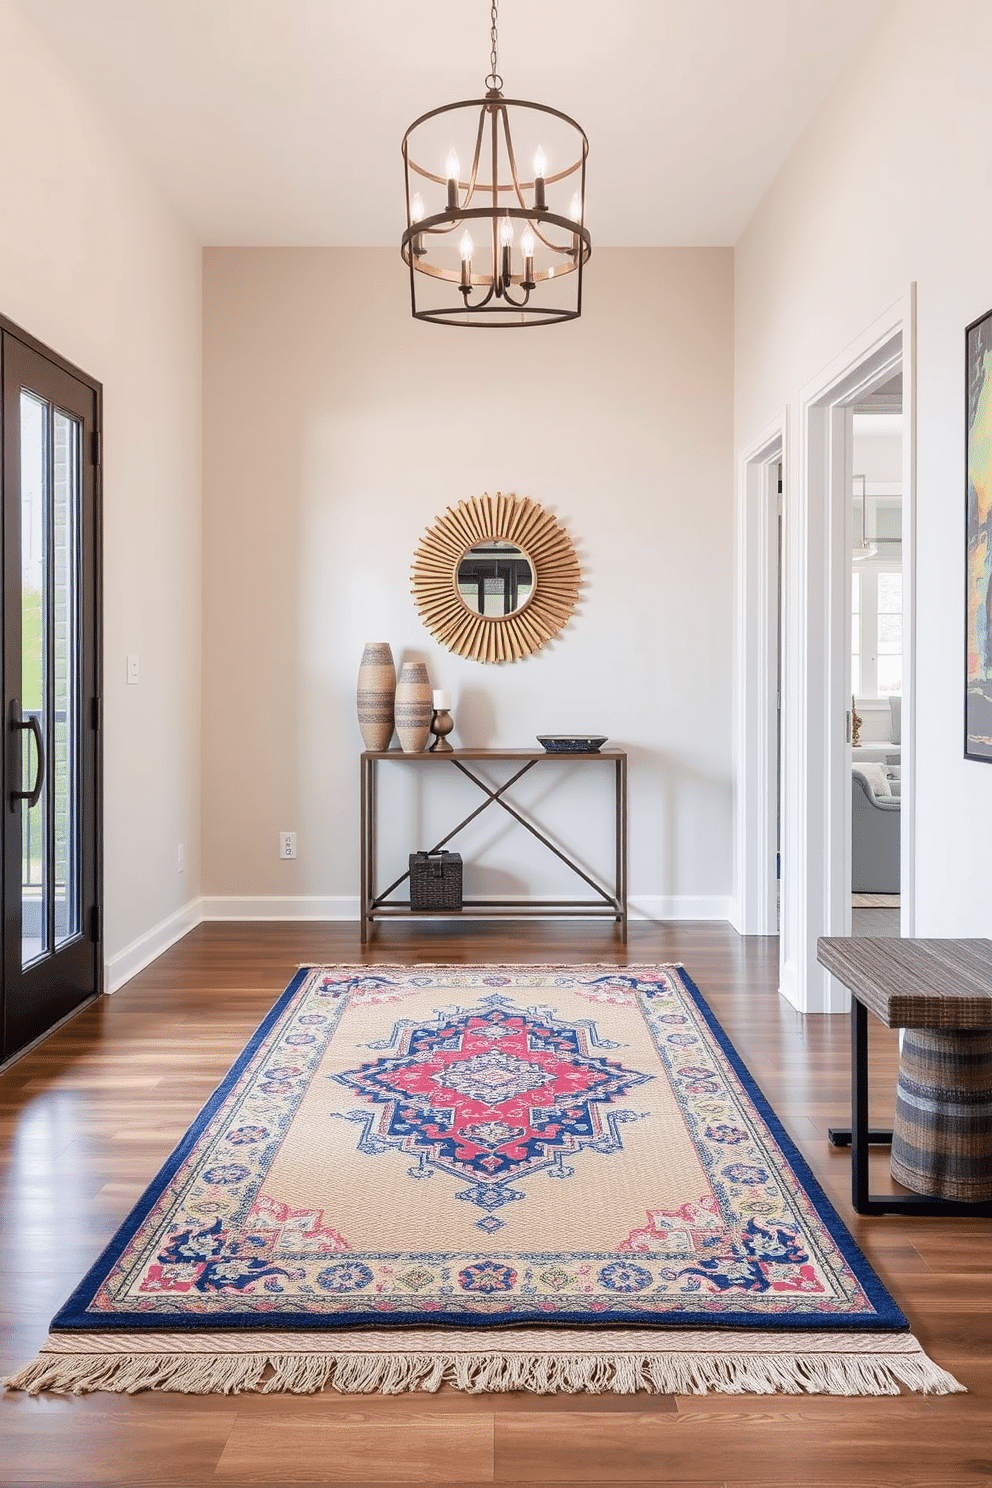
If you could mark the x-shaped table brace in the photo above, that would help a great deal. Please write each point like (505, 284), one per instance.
(494, 795)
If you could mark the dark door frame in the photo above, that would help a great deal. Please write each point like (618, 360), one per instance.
(91, 703)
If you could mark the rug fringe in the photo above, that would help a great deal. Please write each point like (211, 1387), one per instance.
(539, 1373)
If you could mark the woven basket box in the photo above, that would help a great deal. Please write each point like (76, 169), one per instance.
(435, 880)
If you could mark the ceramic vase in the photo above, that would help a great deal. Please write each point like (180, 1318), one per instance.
(414, 709)
(376, 686)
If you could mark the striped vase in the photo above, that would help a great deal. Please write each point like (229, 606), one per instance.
(942, 1133)
(413, 707)
(376, 686)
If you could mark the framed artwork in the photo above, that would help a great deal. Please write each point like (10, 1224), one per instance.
(978, 565)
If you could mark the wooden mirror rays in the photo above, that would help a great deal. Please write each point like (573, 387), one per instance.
(492, 624)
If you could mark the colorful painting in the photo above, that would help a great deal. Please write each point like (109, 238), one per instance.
(978, 455)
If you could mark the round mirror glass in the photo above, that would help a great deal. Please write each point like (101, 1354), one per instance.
(495, 578)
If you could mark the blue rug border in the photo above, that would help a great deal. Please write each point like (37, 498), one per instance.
(878, 1294)
(68, 1316)
(888, 1317)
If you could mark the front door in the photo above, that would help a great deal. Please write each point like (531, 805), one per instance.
(51, 950)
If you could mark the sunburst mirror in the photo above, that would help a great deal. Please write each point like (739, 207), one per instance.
(495, 577)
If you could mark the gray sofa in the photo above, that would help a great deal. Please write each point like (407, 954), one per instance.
(875, 821)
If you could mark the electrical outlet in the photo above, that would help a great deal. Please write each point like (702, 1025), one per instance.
(287, 844)
(181, 858)
(132, 670)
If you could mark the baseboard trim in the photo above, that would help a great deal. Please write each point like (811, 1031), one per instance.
(788, 985)
(281, 907)
(680, 907)
(121, 967)
(346, 907)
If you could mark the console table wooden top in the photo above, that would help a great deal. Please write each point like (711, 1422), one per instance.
(419, 756)
(915, 983)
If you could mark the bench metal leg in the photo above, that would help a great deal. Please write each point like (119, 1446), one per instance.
(861, 1136)
(840, 1136)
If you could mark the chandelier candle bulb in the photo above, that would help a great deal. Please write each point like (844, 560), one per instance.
(540, 171)
(417, 215)
(506, 239)
(452, 169)
(466, 247)
(527, 249)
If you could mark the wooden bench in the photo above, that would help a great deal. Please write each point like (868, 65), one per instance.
(942, 1138)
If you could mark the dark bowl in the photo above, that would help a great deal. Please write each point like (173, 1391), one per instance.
(572, 743)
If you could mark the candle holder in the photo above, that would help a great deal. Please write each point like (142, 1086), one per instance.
(441, 725)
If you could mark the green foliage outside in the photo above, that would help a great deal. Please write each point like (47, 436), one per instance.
(30, 648)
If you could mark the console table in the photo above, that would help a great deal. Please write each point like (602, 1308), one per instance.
(609, 901)
(935, 986)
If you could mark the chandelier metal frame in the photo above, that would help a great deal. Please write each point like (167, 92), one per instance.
(510, 292)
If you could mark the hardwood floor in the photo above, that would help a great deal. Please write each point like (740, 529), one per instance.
(87, 1118)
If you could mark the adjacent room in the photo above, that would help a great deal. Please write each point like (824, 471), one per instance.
(518, 549)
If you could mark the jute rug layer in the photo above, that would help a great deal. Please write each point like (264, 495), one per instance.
(501, 1178)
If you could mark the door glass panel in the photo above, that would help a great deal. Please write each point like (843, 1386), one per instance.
(35, 889)
(64, 753)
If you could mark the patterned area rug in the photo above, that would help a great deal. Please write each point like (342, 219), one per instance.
(547, 1178)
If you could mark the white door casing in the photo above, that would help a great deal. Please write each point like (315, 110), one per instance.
(815, 774)
(755, 892)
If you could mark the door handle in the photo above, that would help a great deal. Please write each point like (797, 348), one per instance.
(17, 723)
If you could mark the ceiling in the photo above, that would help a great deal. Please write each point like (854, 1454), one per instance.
(278, 122)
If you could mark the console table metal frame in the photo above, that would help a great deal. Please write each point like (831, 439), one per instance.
(609, 903)
(864, 965)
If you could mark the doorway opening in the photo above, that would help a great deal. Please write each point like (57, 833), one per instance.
(876, 661)
(818, 646)
(759, 686)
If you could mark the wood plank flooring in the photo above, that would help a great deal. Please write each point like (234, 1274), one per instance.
(87, 1118)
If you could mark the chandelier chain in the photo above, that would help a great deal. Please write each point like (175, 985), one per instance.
(494, 82)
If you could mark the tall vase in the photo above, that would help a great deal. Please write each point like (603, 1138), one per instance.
(413, 707)
(376, 686)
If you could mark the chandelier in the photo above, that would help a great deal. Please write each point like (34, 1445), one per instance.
(495, 210)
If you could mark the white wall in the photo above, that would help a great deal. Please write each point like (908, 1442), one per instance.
(890, 185)
(96, 265)
(877, 456)
(335, 430)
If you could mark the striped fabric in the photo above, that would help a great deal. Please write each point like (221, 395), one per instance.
(942, 1135)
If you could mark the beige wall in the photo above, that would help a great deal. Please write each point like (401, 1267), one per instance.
(335, 429)
(98, 267)
(890, 185)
